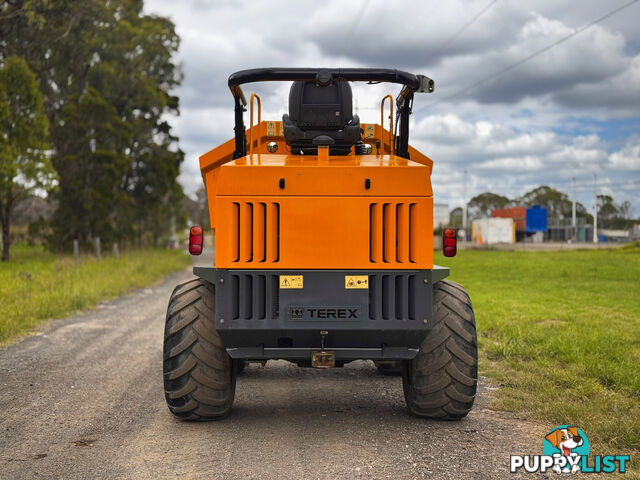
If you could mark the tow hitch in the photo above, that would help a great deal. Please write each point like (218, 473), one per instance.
(323, 359)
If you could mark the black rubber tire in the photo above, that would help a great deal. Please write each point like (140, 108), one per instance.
(390, 369)
(441, 381)
(199, 375)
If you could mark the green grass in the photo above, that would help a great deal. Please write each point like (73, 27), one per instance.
(37, 285)
(560, 332)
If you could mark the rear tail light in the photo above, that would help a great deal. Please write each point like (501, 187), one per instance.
(195, 240)
(449, 242)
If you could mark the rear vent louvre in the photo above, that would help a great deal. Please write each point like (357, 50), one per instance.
(392, 297)
(254, 296)
(256, 231)
(392, 228)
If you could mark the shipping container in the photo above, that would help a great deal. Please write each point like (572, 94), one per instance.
(487, 231)
(526, 219)
(518, 214)
(536, 219)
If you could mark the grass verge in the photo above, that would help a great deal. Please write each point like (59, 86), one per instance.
(560, 331)
(37, 285)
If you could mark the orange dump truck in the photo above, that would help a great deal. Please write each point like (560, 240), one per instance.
(323, 253)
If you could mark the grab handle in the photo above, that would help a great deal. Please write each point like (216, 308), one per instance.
(255, 95)
(390, 119)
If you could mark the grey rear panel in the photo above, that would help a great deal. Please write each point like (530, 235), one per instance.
(258, 317)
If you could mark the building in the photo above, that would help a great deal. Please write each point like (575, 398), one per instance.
(562, 231)
(440, 215)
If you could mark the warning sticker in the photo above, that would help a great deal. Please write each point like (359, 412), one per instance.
(356, 281)
(291, 281)
(369, 130)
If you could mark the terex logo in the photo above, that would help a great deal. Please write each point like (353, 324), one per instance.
(312, 313)
(333, 312)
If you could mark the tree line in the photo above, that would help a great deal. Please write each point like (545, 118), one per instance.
(558, 204)
(85, 92)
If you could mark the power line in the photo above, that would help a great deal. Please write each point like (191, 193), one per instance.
(619, 186)
(532, 55)
(464, 27)
(354, 25)
(586, 187)
(580, 187)
(589, 184)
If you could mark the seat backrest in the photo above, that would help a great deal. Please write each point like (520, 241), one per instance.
(315, 107)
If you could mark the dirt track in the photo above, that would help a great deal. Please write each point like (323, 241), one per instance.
(84, 399)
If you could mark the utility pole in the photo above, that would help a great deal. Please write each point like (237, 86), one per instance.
(595, 209)
(573, 212)
(464, 206)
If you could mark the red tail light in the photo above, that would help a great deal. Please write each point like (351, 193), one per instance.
(449, 242)
(195, 240)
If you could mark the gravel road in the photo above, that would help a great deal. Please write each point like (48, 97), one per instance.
(83, 399)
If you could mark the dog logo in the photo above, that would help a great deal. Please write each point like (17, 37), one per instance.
(565, 449)
(566, 441)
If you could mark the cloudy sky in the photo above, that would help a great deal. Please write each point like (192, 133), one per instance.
(570, 112)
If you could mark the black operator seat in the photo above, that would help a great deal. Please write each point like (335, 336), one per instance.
(316, 110)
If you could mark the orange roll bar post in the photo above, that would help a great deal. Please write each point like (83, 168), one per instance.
(255, 95)
(390, 119)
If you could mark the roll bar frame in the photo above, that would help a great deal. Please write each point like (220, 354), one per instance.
(324, 76)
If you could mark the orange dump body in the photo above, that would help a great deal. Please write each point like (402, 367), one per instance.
(285, 211)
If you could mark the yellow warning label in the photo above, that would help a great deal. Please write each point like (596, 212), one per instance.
(356, 281)
(271, 129)
(291, 281)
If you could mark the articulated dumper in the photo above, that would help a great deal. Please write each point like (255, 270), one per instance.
(323, 253)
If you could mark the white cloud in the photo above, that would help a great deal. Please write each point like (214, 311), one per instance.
(511, 134)
(509, 162)
(628, 158)
(566, 75)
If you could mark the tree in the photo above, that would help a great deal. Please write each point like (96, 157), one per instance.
(557, 203)
(106, 71)
(455, 217)
(607, 210)
(198, 209)
(91, 169)
(24, 164)
(481, 205)
(626, 210)
(613, 215)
